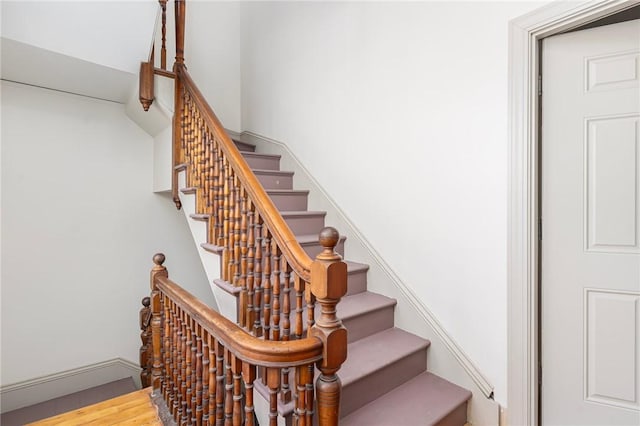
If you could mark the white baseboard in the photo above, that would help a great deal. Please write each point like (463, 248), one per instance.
(40, 389)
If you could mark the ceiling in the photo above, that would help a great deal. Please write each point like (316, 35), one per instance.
(71, 45)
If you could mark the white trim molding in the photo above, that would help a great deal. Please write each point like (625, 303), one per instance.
(525, 34)
(40, 389)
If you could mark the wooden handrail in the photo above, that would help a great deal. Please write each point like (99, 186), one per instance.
(268, 353)
(295, 254)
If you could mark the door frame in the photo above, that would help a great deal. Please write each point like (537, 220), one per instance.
(525, 34)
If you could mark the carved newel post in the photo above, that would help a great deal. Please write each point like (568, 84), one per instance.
(329, 284)
(146, 355)
(156, 320)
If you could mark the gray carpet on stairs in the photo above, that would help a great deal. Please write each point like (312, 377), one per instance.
(66, 403)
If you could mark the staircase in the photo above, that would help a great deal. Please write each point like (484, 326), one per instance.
(385, 379)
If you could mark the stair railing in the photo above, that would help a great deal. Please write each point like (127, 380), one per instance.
(278, 283)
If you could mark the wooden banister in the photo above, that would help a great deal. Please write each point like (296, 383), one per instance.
(267, 353)
(205, 364)
(280, 231)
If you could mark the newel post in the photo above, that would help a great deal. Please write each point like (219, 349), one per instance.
(329, 284)
(180, 19)
(156, 319)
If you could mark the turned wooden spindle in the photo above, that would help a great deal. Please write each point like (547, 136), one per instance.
(180, 19)
(146, 353)
(329, 284)
(177, 141)
(163, 48)
(249, 376)
(156, 319)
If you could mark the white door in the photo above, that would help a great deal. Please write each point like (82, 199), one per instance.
(590, 210)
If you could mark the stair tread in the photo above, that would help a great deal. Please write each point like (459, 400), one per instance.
(371, 353)
(398, 407)
(259, 155)
(302, 213)
(362, 303)
(286, 191)
(356, 266)
(272, 172)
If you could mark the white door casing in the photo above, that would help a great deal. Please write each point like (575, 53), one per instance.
(590, 200)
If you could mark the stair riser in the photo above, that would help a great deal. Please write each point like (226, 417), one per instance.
(290, 202)
(367, 324)
(275, 181)
(264, 163)
(244, 146)
(357, 282)
(302, 225)
(456, 418)
(365, 390)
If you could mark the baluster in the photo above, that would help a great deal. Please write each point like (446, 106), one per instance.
(163, 49)
(275, 330)
(219, 197)
(205, 376)
(302, 373)
(273, 382)
(251, 250)
(146, 349)
(228, 401)
(168, 361)
(212, 381)
(220, 389)
(242, 282)
(180, 366)
(198, 385)
(231, 241)
(225, 222)
(299, 288)
(236, 366)
(286, 302)
(311, 307)
(249, 376)
(266, 285)
(310, 398)
(329, 284)
(236, 232)
(185, 387)
(285, 393)
(257, 278)
(177, 365)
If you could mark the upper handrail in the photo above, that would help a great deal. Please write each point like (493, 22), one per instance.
(299, 260)
(268, 353)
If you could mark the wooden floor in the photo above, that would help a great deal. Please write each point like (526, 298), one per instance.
(135, 408)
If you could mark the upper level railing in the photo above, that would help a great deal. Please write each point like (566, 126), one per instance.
(277, 282)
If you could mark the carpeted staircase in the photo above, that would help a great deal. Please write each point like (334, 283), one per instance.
(385, 378)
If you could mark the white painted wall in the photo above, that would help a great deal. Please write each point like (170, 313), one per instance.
(399, 110)
(212, 55)
(116, 34)
(79, 226)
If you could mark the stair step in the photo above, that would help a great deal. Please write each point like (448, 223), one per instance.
(304, 222)
(289, 199)
(274, 179)
(379, 363)
(311, 245)
(443, 404)
(357, 277)
(365, 314)
(262, 161)
(244, 146)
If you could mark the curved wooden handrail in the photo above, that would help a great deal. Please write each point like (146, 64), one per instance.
(268, 353)
(298, 259)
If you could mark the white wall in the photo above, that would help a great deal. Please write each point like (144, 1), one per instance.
(116, 34)
(399, 110)
(212, 55)
(79, 226)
